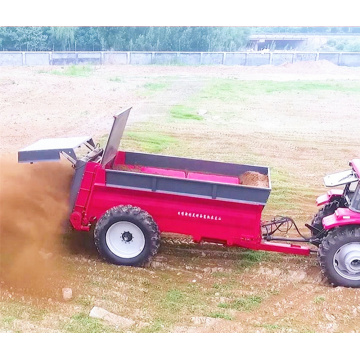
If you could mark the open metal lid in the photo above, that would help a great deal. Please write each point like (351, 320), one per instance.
(50, 149)
(115, 136)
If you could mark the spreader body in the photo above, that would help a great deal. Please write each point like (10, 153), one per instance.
(200, 198)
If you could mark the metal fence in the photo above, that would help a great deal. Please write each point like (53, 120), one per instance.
(252, 58)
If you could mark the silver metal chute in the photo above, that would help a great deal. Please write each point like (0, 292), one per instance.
(50, 149)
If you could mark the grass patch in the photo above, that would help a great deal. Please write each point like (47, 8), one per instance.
(246, 303)
(182, 112)
(14, 313)
(319, 300)
(75, 70)
(143, 140)
(218, 315)
(157, 326)
(177, 303)
(174, 296)
(16, 310)
(174, 299)
(83, 301)
(116, 79)
(82, 323)
(250, 258)
(150, 141)
(271, 327)
(8, 320)
(287, 326)
(226, 286)
(232, 89)
(155, 86)
(187, 299)
(282, 196)
(221, 274)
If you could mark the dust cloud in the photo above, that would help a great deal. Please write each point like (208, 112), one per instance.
(33, 215)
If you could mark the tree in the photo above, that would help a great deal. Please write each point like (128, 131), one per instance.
(64, 37)
(29, 38)
(87, 39)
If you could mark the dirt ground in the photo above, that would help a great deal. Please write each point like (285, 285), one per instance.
(187, 288)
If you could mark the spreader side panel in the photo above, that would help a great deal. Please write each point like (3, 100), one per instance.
(203, 219)
(189, 187)
(186, 164)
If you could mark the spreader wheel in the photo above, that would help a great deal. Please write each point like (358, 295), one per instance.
(339, 256)
(127, 235)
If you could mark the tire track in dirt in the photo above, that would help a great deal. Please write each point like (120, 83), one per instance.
(295, 296)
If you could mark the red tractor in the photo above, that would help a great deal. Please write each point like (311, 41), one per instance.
(336, 227)
(130, 198)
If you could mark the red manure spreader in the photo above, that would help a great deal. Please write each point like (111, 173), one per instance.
(130, 198)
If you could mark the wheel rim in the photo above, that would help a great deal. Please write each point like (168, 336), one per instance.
(347, 261)
(125, 239)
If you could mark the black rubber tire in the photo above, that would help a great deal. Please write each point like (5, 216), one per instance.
(327, 210)
(334, 240)
(142, 219)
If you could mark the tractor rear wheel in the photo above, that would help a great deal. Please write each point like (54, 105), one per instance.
(339, 256)
(316, 223)
(127, 235)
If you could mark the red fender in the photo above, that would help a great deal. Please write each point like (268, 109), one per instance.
(327, 198)
(341, 217)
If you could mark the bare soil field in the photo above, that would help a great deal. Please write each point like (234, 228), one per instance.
(301, 120)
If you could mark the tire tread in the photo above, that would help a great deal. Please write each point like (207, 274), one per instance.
(137, 214)
(328, 247)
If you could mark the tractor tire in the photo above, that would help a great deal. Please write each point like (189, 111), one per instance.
(327, 210)
(339, 256)
(127, 235)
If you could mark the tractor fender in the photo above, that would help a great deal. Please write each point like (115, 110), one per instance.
(328, 197)
(341, 217)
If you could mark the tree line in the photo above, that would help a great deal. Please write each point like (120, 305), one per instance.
(142, 38)
(137, 38)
